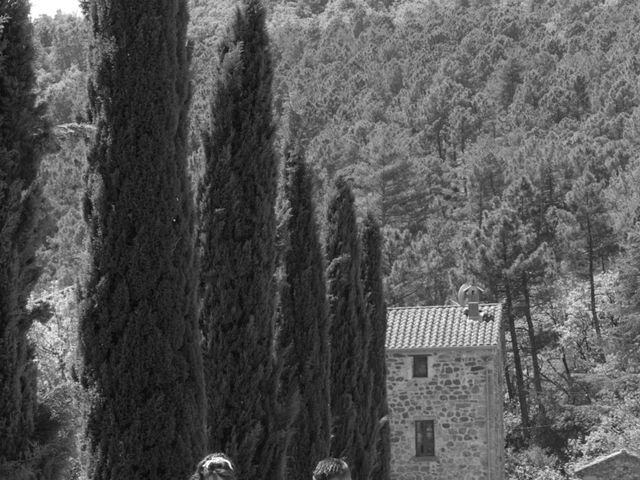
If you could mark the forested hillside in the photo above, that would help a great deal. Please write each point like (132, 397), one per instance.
(496, 142)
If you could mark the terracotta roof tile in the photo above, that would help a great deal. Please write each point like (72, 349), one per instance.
(441, 327)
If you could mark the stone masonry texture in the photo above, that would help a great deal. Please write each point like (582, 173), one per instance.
(463, 396)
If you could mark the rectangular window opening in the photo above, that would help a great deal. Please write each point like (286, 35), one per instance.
(425, 438)
(420, 366)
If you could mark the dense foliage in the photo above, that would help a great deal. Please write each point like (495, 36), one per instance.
(303, 331)
(22, 129)
(444, 117)
(62, 44)
(351, 379)
(377, 433)
(245, 417)
(139, 337)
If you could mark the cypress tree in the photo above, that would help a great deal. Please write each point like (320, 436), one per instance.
(21, 130)
(238, 196)
(348, 333)
(380, 446)
(138, 326)
(304, 327)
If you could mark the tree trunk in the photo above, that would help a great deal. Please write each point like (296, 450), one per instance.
(537, 382)
(441, 153)
(507, 376)
(570, 384)
(522, 394)
(592, 291)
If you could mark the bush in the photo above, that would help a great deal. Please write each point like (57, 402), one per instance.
(58, 420)
(532, 464)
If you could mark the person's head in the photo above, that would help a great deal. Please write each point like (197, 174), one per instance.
(332, 469)
(215, 466)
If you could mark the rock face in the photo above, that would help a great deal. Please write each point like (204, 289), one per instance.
(462, 394)
(621, 465)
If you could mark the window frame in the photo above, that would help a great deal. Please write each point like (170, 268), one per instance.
(423, 434)
(426, 364)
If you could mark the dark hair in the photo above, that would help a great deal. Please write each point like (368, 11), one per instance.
(328, 468)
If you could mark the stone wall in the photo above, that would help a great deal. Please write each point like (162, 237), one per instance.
(463, 395)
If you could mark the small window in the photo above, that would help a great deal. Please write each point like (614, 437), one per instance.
(420, 366)
(425, 439)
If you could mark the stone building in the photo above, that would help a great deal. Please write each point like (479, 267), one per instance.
(445, 392)
(621, 465)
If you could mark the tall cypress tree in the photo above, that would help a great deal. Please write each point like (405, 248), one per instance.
(348, 334)
(21, 127)
(138, 326)
(304, 326)
(238, 196)
(378, 433)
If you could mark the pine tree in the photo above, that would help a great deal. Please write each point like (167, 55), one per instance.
(531, 266)
(138, 324)
(391, 179)
(589, 237)
(626, 335)
(374, 295)
(238, 195)
(349, 336)
(495, 248)
(304, 328)
(21, 130)
(507, 81)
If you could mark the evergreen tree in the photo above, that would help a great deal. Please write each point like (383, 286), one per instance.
(138, 325)
(380, 448)
(589, 237)
(626, 335)
(507, 81)
(21, 129)
(491, 263)
(349, 336)
(391, 180)
(485, 173)
(304, 328)
(238, 195)
(531, 266)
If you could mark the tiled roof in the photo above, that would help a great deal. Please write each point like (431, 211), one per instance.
(441, 327)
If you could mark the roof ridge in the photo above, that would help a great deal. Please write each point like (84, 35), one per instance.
(603, 458)
(440, 306)
(423, 306)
